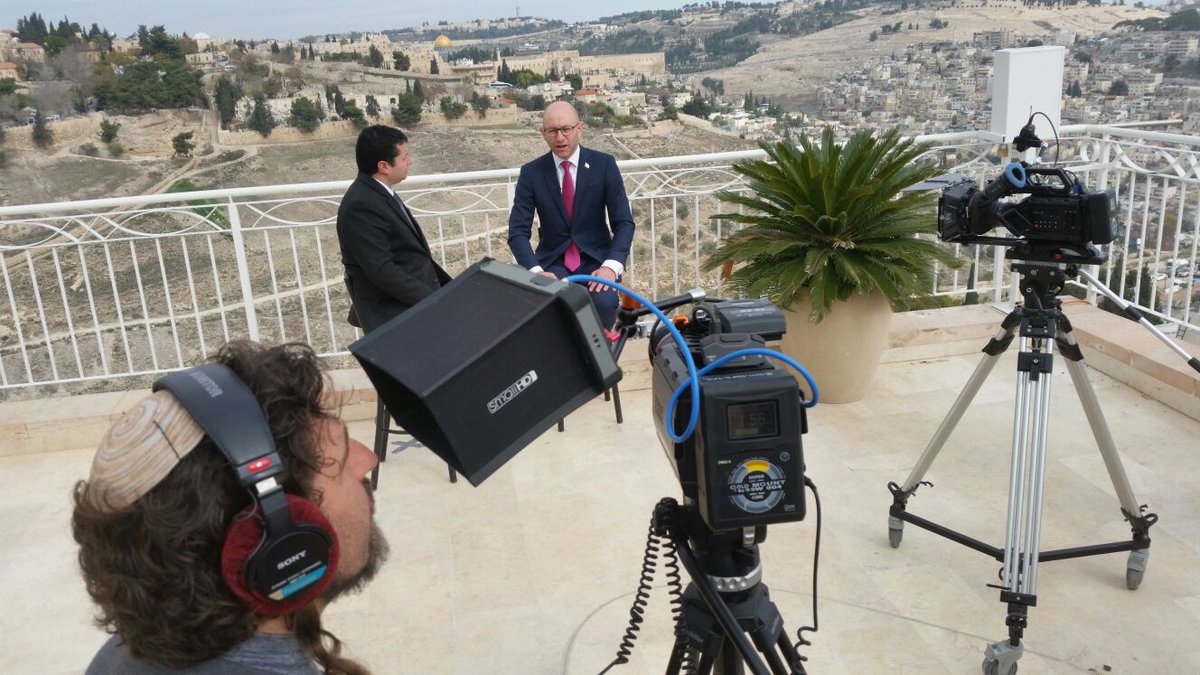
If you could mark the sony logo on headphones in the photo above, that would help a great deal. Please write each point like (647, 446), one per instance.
(291, 560)
(210, 387)
(511, 392)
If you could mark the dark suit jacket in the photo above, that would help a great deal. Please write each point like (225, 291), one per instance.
(387, 260)
(598, 192)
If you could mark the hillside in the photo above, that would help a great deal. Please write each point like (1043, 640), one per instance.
(788, 71)
(64, 174)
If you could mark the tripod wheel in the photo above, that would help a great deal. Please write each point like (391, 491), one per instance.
(895, 531)
(992, 667)
(1135, 569)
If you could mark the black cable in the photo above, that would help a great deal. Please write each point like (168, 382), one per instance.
(675, 589)
(641, 597)
(801, 640)
(1052, 129)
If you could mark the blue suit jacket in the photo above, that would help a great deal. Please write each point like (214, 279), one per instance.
(598, 192)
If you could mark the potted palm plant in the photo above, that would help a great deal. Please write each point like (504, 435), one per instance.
(830, 237)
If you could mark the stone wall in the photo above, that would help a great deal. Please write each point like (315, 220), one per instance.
(326, 131)
(66, 132)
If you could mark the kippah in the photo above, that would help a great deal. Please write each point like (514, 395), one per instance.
(140, 449)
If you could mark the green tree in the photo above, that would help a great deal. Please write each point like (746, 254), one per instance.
(576, 80)
(374, 58)
(433, 66)
(108, 130)
(372, 107)
(156, 42)
(260, 118)
(1118, 88)
(147, 84)
(418, 90)
(351, 111)
(182, 144)
(42, 136)
(526, 78)
(1076, 91)
(400, 61)
(227, 93)
(697, 106)
(452, 109)
(305, 115)
(273, 86)
(480, 104)
(408, 109)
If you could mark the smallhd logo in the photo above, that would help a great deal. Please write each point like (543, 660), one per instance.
(512, 391)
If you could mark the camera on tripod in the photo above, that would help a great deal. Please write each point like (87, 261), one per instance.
(744, 465)
(1059, 221)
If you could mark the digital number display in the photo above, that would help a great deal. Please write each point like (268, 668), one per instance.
(753, 420)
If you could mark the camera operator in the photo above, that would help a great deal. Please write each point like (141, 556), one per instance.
(156, 512)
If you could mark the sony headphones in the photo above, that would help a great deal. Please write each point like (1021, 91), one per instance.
(281, 552)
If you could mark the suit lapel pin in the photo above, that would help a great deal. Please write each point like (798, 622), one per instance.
(586, 165)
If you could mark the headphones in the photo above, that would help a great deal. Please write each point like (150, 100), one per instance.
(281, 552)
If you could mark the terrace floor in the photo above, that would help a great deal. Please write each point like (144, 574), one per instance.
(534, 571)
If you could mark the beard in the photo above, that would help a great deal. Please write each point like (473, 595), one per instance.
(377, 553)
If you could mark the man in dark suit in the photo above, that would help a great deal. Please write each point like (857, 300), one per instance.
(572, 189)
(387, 261)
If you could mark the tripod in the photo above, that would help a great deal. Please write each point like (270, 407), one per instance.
(725, 601)
(1042, 325)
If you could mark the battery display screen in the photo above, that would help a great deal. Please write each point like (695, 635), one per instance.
(753, 420)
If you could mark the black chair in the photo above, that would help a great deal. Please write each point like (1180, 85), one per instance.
(625, 329)
(383, 425)
(384, 430)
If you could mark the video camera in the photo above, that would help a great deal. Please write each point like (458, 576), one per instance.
(744, 465)
(1060, 220)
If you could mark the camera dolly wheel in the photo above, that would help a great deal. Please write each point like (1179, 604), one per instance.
(1135, 569)
(895, 531)
(1000, 658)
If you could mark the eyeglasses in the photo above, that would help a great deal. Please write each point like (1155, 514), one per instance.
(560, 130)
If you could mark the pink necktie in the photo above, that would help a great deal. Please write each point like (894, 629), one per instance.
(571, 255)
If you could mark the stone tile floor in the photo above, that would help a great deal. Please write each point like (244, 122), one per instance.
(534, 571)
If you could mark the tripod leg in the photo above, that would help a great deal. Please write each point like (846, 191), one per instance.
(1030, 423)
(956, 411)
(1104, 439)
(991, 354)
(1022, 537)
(1136, 566)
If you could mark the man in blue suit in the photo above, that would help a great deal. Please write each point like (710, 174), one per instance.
(572, 189)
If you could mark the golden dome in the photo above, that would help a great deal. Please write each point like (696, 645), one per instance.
(441, 42)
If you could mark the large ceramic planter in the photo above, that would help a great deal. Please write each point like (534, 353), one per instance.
(843, 351)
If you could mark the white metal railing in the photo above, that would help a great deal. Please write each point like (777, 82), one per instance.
(111, 288)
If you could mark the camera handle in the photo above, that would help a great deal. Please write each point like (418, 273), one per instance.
(1041, 325)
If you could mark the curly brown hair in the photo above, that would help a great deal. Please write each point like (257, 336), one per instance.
(153, 568)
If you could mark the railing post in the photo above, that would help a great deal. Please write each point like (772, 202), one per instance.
(1105, 157)
(243, 267)
(997, 274)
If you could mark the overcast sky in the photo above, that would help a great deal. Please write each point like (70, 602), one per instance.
(253, 19)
